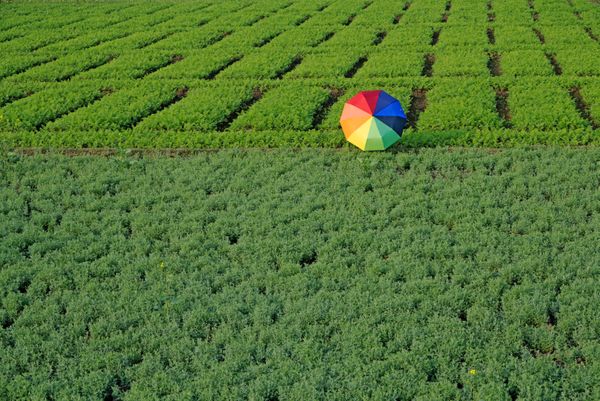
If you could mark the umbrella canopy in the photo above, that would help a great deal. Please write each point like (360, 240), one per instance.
(373, 120)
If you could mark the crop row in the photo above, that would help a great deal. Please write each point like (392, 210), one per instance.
(293, 105)
(281, 65)
(266, 51)
(269, 61)
(317, 27)
(460, 11)
(227, 17)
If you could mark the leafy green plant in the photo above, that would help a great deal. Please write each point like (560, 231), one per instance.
(34, 111)
(284, 107)
(525, 63)
(122, 109)
(467, 73)
(460, 61)
(460, 105)
(388, 64)
(204, 108)
(432, 274)
(529, 112)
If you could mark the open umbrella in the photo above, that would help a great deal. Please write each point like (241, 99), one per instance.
(373, 120)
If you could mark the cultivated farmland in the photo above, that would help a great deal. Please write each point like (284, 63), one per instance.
(276, 72)
(165, 267)
(310, 275)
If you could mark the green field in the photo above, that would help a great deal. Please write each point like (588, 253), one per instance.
(167, 234)
(301, 275)
(276, 73)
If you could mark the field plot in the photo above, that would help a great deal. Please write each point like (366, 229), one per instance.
(319, 274)
(275, 73)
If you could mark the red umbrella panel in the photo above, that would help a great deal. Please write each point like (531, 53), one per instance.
(373, 120)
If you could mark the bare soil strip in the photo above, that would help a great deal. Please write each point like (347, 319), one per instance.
(539, 35)
(491, 15)
(446, 11)
(404, 9)
(491, 36)
(494, 64)
(349, 20)
(502, 106)
(302, 20)
(428, 65)
(555, 66)
(435, 37)
(267, 40)
(379, 38)
(583, 107)
(418, 103)
(325, 38)
(591, 34)
(534, 14)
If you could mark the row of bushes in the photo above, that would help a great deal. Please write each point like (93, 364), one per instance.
(204, 106)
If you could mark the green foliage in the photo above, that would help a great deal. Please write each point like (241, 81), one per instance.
(14, 91)
(202, 110)
(262, 64)
(460, 61)
(525, 63)
(131, 65)
(122, 109)
(284, 108)
(565, 35)
(392, 65)
(512, 37)
(528, 112)
(582, 62)
(463, 35)
(326, 65)
(67, 66)
(459, 105)
(467, 12)
(406, 37)
(350, 38)
(193, 39)
(16, 63)
(32, 112)
(438, 274)
(195, 64)
(495, 74)
(424, 12)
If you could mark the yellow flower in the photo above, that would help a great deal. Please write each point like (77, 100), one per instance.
(472, 372)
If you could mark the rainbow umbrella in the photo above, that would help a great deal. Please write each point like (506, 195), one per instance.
(373, 120)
